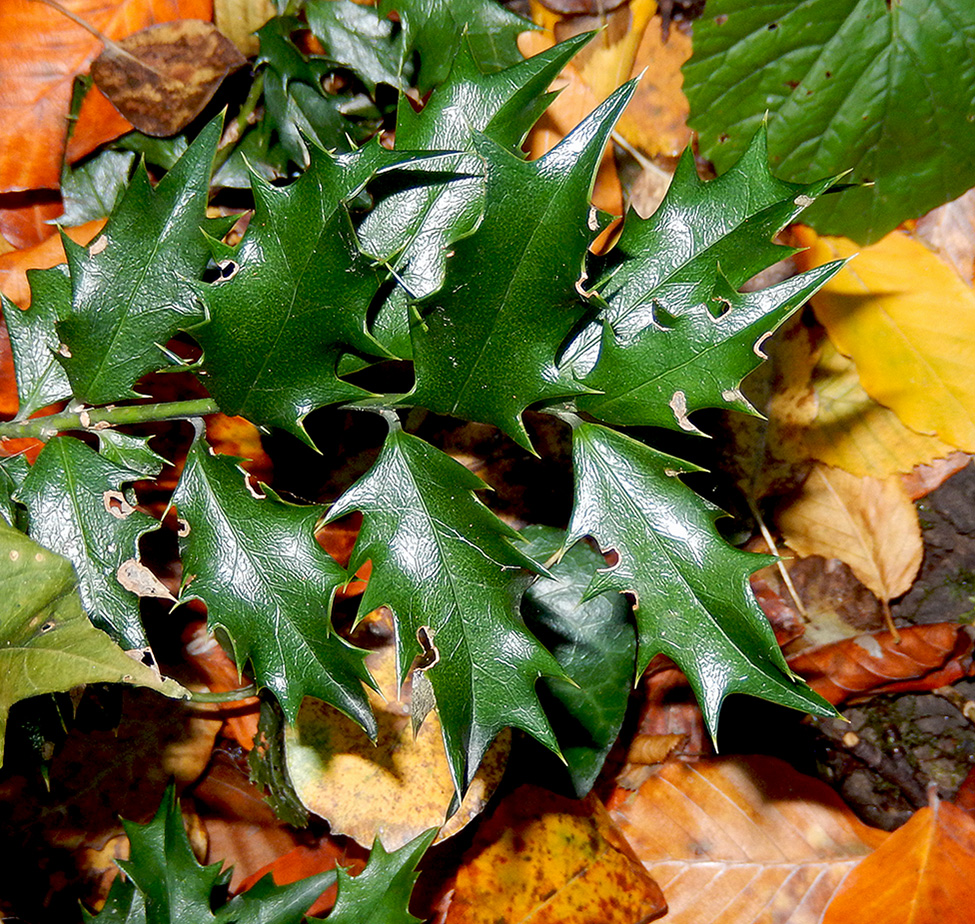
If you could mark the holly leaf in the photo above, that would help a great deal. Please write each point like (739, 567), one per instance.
(413, 229)
(166, 884)
(446, 566)
(693, 601)
(847, 85)
(130, 452)
(92, 189)
(127, 301)
(593, 639)
(78, 508)
(380, 894)
(485, 346)
(253, 560)
(693, 360)
(436, 29)
(33, 340)
(47, 644)
(13, 471)
(273, 359)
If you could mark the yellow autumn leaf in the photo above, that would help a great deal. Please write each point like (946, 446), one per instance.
(868, 523)
(908, 323)
(853, 432)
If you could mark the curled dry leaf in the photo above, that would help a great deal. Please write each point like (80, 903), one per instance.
(161, 77)
(869, 523)
(879, 311)
(742, 840)
(922, 874)
(544, 859)
(394, 789)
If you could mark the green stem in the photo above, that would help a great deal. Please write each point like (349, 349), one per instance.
(227, 696)
(43, 428)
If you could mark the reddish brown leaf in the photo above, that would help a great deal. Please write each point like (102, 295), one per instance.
(923, 874)
(545, 859)
(24, 217)
(41, 52)
(742, 840)
(926, 658)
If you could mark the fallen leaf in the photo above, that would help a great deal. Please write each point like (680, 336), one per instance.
(923, 479)
(744, 839)
(949, 231)
(41, 52)
(908, 323)
(544, 859)
(235, 436)
(162, 77)
(24, 219)
(925, 658)
(922, 874)
(394, 789)
(868, 523)
(853, 432)
(240, 19)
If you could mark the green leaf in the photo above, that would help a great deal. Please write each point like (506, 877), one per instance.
(292, 297)
(357, 38)
(13, 471)
(380, 894)
(442, 561)
(91, 190)
(848, 84)
(593, 639)
(76, 506)
(130, 452)
(693, 599)
(485, 346)
(33, 340)
(436, 29)
(166, 884)
(256, 565)
(132, 288)
(47, 643)
(413, 228)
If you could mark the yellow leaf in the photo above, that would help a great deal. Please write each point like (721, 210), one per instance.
(868, 523)
(854, 432)
(908, 322)
(240, 19)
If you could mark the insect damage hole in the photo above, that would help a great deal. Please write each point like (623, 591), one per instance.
(116, 504)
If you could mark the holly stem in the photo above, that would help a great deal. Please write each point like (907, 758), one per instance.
(227, 696)
(43, 428)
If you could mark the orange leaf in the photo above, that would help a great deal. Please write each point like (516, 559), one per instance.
(922, 874)
(927, 657)
(41, 52)
(544, 859)
(742, 840)
(24, 222)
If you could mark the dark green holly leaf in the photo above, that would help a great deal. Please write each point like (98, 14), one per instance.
(413, 229)
(255, 563)
(166, 884)
(696, 359)
(693, 600)
(441, 561)
(485, 346)
(13, 470)
(77, 507)
(380, 894)
(47, 643)
(436, 28)
(849, 84)
(358, 38)
(41, 380)
(130, 452)
(293, 296)
(593, 639)
(132, 288)
(91, 190)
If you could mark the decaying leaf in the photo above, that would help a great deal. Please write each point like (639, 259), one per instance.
(393, 789)
(161, 78)
(869, 523)
(949, 231)
(879, 311)
(545, 859)
(922, 874)
(742, 840)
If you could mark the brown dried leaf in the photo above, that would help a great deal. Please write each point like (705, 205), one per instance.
(394, 789)
(922, 874)
(869, 523)
(544, 859)
(743, 839)
(162, 77)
